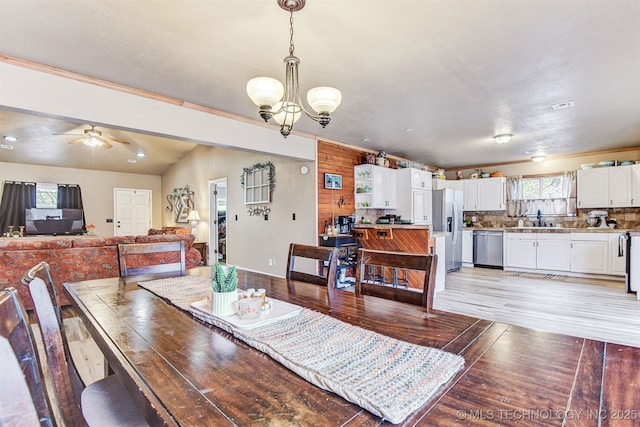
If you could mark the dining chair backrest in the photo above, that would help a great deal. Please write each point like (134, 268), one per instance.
(151, 258)
(108, 401)
(15, 329)
(425, 264)
(62, 373)
(324, 266)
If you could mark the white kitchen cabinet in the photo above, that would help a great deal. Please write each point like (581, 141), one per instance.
(416, 178)
(414, 195)
(593, 188)
(553, 251)
(615, 186)
(375, 187)
(617, 255)
(520, 250)
(491, 194)
(620, 178)
(467, 247)
(635, 185)
(442, 184)
(486, 194)
(589, 253)
(470, 202)
(541, 251)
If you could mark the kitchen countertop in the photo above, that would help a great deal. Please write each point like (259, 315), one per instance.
(550, 229)
(405, 226)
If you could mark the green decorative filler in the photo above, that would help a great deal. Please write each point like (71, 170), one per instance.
(271, 173)
(221, 282)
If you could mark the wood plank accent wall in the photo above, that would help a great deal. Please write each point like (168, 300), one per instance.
(340, 160)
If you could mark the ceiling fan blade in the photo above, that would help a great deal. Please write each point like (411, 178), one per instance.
(105, 144)
(117, 140)
(77, 140)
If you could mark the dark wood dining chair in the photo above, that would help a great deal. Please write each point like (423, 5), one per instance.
(18, 408)
(324, 268)
(104, 402)
(418, 265)
(151, 258)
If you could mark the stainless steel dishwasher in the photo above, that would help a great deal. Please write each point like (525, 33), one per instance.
(487, 249)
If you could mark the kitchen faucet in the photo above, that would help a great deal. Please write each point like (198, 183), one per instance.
(539, 218)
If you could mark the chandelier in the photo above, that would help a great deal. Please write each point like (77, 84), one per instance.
(283, 103)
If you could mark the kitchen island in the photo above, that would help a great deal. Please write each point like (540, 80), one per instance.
(402, 238)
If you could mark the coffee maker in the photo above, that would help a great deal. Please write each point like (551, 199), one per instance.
(345, 223)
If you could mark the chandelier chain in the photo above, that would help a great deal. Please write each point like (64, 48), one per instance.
(291, 47)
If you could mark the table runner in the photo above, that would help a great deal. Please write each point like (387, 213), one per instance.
(388, 377)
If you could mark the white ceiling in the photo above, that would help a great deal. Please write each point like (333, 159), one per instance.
(456, 72)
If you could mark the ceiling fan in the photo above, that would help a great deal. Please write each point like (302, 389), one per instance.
(94, 138)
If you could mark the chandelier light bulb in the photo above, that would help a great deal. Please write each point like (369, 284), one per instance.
(265, 91)
(324, 99)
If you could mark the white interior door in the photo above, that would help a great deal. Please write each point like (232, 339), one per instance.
(218, 220)
(132, 211)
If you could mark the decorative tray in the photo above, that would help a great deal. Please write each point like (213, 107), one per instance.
(279, 310)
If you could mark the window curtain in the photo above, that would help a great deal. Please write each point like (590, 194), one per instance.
(16, 197)
(565, 205)
(516, 205)
(69, 196)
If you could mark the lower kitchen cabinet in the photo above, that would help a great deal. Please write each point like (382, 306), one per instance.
(467, 246)
(617, 255)
(541, 251)
(521, 250)
(589, 253)
(553, 251)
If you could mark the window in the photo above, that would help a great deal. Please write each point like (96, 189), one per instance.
(46, 195)
(543, 188)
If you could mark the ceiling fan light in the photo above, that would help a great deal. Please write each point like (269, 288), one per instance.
(538, 158)
(503, 138)
(265, 91)
(92, 141)
(324, 99)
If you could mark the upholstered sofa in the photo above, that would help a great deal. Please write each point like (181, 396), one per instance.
(74, 258)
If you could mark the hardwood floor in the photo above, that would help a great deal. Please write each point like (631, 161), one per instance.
(583, 307)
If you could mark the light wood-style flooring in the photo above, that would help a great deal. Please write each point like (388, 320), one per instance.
(597, 309)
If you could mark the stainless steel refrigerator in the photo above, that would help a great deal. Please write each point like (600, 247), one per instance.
(447, 218)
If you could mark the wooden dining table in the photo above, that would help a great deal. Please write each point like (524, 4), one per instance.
(184, 372)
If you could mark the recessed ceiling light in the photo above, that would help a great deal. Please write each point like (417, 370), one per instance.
(563, 105)
(140, 154)
(10, 138)
(538, 158)
(132, 161)
(366, 139)
(503, 138)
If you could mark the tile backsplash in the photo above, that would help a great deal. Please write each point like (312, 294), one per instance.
(626, 218)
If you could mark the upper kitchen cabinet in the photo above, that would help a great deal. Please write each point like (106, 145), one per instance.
(608, 187)
(414, 195)
(486, 194)
(375, 187)
(442, 184)
(417, 178)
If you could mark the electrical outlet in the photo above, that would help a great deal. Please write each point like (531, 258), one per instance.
(270, 261)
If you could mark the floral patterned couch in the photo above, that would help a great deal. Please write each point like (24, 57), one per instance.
(74, 258)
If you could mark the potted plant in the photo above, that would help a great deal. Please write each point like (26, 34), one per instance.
(224, 286)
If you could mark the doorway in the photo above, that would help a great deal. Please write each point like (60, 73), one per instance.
(132, 211)
(218, 215)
